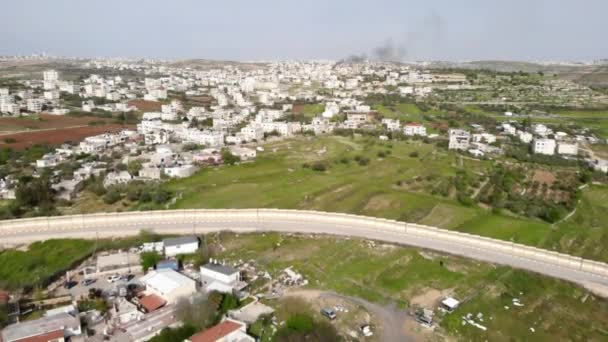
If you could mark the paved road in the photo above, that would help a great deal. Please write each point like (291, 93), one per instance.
(110, 228)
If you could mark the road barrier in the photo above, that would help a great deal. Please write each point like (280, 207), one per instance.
(165, 221)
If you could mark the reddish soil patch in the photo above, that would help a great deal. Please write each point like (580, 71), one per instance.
(542, 176)
(149, 106)
(297, 108)
(46, 121)
(57, 136)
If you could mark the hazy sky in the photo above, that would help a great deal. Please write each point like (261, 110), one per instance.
(280, 29)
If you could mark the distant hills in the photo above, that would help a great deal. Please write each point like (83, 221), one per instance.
(587, 74)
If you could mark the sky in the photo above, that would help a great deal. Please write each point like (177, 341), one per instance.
(247, 30)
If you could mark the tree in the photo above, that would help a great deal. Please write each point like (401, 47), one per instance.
(229, 302)
(149, 259)
(134, 167)
(229, 158)
(201, 312)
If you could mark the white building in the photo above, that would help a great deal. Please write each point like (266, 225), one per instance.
(115, 178)
(525, 137)
(180, 171)
(484, 138)
(509, 129)
(253, 132)
(391, 124)
(243, 152)
(56, 328)
(567, 148)
(218, 277)
(51, 95)
(459, 139)
(34, 105)
(180, 245)
(412, 129)
(168, 284)
(544, 146)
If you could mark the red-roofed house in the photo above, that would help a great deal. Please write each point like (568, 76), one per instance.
(152, 302)
(228, 331)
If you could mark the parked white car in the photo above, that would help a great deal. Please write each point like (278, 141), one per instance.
(113, 278)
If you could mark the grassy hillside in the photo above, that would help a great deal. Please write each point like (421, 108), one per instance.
(554, 309)
(395, 185)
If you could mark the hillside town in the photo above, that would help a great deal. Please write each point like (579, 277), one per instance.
(206, 117)
(158, 123)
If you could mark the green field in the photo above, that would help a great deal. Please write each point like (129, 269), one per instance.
(389, 274)
(42, 261)
(405, 112)
(278, 180)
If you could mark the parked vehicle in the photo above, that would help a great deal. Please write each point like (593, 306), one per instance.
(69, 284)
(127, 277)
(113, 278)
(88, 282)
(329, 313)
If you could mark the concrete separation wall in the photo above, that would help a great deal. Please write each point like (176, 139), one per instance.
(246, 220)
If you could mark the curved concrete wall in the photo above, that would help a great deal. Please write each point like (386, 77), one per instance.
(169, 221)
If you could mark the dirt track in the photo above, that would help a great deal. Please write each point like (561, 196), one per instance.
(395, 324)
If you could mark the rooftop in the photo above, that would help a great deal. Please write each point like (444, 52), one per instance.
(165, 280)
(152, 302)
(217, 332)
(182, 240)
(219, 268)
(41, 326)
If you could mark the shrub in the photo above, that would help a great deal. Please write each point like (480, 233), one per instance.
(414, 154)
(319, 166)
(112, 196)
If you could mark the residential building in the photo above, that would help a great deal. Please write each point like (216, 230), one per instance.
(180, 171)
(227, 331)
(88, 106)
(459, 139)
(243, 153)
(54, 328)
(168, 284)
(544, 146)
(115, 178)
(525, 137)
(180, 245)
(412, 129)
(391, 124)
(34, 105)
(567, 148)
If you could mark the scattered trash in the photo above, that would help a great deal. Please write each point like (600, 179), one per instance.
(532, 329)
(506, 307)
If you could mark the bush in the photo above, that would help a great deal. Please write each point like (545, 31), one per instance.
(364, 161)
(414, 154)
(319, 166)
(229, 158)
(112, 196)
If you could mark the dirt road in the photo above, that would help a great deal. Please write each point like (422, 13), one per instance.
(393, 322)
